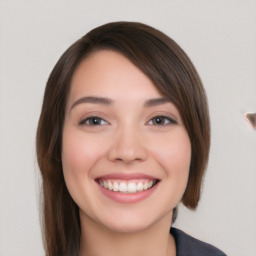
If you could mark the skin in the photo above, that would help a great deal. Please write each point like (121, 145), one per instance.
(127, 138)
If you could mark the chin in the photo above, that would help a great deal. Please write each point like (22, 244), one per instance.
(129, 227)
(135, 221)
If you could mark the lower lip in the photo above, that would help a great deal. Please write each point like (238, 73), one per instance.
(128, 198)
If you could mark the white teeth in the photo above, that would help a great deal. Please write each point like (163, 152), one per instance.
(145, 186)
(123, 187)
(140, 186)
(132, 187)
(127, 186)
(110, 186)
(115, 186)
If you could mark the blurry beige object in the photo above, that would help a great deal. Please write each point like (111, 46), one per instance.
(251, 118)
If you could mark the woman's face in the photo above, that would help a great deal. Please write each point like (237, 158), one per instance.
(125, 151)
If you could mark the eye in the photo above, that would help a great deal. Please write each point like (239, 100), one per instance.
(161, 120)
(93, 121)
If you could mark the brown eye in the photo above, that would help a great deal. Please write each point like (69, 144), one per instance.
(161, 120)
(93, 121)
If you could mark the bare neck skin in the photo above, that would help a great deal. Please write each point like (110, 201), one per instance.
(101, 241)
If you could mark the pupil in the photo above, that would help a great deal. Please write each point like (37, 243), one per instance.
(95, 121)
(158, 120)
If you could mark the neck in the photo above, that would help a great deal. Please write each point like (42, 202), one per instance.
(98, 240)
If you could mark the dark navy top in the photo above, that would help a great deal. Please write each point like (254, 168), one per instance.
(189, 246)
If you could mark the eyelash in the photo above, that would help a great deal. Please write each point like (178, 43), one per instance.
(87, 120)
(97, 121)
(167, 120)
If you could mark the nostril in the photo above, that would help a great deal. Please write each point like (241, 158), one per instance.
(127, 154)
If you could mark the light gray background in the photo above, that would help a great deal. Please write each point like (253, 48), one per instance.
(220, 38)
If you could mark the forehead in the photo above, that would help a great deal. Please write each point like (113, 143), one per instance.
(111, 74)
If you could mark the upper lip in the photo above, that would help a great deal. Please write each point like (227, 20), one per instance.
(127, 176)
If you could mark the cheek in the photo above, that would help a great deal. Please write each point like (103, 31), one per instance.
(80, 154)
(174, 155)
(174, 152)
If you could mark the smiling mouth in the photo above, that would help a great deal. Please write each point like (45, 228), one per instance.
(127, 186)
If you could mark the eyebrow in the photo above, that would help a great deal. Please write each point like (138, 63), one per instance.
(94, 100)
(107, 101)
(156, 102)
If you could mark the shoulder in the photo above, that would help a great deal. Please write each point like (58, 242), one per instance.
(189, 246)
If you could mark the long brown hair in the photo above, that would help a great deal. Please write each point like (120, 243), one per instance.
(172, 72)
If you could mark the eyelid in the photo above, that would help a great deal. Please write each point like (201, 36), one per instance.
(83, 120)
(170, 118)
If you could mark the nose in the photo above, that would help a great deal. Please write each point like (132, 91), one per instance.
(127, 146)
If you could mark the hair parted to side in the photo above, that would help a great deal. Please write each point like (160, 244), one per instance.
(172, 72)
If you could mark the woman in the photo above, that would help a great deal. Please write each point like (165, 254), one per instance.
(123, 137)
